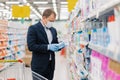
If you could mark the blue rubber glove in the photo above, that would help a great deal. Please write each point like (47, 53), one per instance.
(61, 45)
(53, 47)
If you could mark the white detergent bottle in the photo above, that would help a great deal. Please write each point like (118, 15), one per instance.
(111, 31)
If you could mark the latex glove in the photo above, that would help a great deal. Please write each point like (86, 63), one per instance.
(61, 45)
(53, 47)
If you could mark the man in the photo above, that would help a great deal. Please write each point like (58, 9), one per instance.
(43, 42)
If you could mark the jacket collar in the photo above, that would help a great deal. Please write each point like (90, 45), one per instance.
(42, 30)
(41, 27)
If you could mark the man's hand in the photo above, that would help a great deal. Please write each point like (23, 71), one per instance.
(61, 45)
(53, 47)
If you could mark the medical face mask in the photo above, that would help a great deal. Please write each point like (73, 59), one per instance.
(49, 24)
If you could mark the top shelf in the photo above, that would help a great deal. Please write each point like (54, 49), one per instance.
(102, 9)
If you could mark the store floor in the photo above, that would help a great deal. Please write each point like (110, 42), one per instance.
(61, 72)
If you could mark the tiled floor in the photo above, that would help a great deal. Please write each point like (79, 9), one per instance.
(61, 72)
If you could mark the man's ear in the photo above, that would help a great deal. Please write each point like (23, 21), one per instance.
(43, 17)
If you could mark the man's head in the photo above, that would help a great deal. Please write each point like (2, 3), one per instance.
(48, 16)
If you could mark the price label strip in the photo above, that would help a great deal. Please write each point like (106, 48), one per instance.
(7, 61)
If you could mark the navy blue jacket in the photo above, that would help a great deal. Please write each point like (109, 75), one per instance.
(37, 43)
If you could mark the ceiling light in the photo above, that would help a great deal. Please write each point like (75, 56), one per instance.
(55, 6)
(41, 9)
(1, 4)
(28, 4)
(40, 2)
(64, 2)
(12, 2)
(33, 9)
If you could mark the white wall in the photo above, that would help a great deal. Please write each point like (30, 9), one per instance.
(61, 29)
(60, 26)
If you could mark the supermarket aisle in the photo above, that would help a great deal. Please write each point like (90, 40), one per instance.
(61, 72)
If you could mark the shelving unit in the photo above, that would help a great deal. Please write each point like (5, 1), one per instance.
(102, 9)
(84, 43)
(101, 52)
(15, 41)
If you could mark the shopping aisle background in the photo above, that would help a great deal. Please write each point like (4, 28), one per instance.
(61, 72)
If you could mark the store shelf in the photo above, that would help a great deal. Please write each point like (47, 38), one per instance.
(84, 43)
(14, 27)
(19, 33)
(102, 9)
(20, 57)
(5, 56)
(16, 39)
(3, 39)
(3, 47)
(3, 25)
(19, 43)
(106, 52)
(3, 31)
(17, 36)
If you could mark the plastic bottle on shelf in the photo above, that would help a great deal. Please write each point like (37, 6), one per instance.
(106, 38)
(86, 36)
(98, 36)
(95, 36)
(117, 19)
(112, 32)
(92, 37)
(81, 57)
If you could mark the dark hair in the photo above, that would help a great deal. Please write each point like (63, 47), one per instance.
(48, 12)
